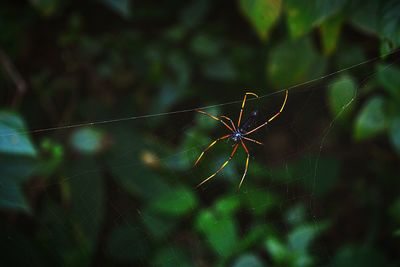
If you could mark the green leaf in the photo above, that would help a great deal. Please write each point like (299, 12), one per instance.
(394, 133)
(16, 169)
(342, 92)
(175, 202)
(159, 226)
(259, 201)
(205, 46)
(366, 17)
(277, 250)
(390, 22)
(46, 7)
(330, 31)
(128, 170)
(288, 67)
(87, 141)
(300, 238)
(254, 235)
(296, 214)
(122, 7)
(394, 210)
(220, 232)
(303, 16)
(171, 257)
(54, 155)
(219, 69)
(389, 78)
(127, 244)
(262, 14)
(371, 120)
(227, 206)
(248, 260)
(14, 138)
(194, 13)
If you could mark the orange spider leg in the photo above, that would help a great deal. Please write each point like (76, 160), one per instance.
(252, 140)
(229, 119)
(215, 118)
(222, 166)
(209, 146)
(273, 117)
(247, 163)
(243, 103)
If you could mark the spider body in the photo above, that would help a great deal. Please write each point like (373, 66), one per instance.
(238, 134)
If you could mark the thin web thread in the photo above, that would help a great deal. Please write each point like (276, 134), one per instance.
(83, 124)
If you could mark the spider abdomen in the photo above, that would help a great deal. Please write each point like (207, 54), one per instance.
(249, 122)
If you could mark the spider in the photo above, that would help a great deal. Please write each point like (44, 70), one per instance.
(238, 134)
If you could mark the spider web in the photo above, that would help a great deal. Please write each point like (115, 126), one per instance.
(278, 189)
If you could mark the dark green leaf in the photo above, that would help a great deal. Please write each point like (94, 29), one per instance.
(296, 214)
(122, 7)
(16, 169)
(262, 14)
(359, 256)
(330, 31)
(248, 260)
(220, 69)
(341, 94)
(394, 133)
(227, 206)
(371, 120)
(127, 244)
(300, 238)
(277, 250)
(390, 22)
(254, 235)
(259, 201)
(159, 226)
(366, 16)
(11, 197)
(47, 7)
(177, 201)
(394, 210)
(171, 257)
(194, 13)
(206, 46)
(288, 67)
(128, 170)
(302, 16)
(220, 232)
(389, 78)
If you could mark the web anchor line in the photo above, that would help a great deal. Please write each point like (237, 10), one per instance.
(83, 124)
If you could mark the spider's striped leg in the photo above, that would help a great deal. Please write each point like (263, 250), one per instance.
(215, 118)
(243, 103)
(222, 166)
(209, 146)
(273, 117)
(247, 163)
(252, 140)
(229, 119)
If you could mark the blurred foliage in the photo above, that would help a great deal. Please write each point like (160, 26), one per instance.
(84, 181)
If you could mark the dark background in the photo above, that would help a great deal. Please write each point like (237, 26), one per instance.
(98, 133)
